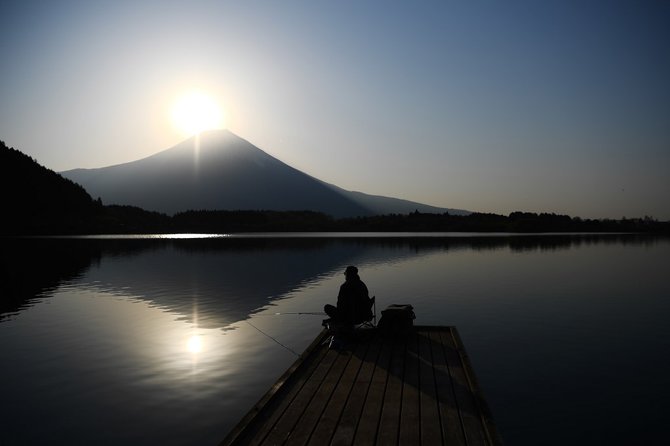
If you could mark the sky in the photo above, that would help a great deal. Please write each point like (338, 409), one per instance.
(488, 106)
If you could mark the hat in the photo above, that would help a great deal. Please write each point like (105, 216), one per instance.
(351, 270)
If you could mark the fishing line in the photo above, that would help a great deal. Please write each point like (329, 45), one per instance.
(265, 334)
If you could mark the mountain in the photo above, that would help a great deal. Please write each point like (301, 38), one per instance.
(380, 205)
(220, 171)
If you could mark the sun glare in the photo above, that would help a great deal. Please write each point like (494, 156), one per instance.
(195, 112)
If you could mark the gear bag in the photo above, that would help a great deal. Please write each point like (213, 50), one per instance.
(397, 319)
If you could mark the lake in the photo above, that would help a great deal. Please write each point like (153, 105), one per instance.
(171, 341)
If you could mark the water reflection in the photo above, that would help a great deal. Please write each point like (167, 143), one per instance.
(170, 341)
(229, 278)
(31, 268)
(90, 362)
(194, 344)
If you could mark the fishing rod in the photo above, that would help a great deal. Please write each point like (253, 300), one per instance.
(312, 313)
(300, 313)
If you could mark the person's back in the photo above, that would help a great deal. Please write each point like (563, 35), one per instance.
(353, 301)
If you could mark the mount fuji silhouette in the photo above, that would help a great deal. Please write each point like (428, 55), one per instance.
(218, 170)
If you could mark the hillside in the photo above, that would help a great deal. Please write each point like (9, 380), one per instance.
(37, 200)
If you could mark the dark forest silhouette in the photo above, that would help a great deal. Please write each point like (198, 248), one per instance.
(38, 201)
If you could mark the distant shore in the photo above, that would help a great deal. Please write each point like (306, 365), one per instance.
(132, 220)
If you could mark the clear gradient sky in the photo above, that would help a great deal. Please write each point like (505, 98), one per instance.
(491, 106)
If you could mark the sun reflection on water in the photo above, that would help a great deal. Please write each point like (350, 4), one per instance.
(194, 344)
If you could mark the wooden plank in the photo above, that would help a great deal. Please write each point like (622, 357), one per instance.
(420, 389)
(331, 415)
(431, 433)
(271, 405)
(276, 407)
(387, 433)
(450, 420)
(483, 409)
(346, 429)
(366, 432)
(472, 425)
(288, 420)
(410, 412)
(312, 413)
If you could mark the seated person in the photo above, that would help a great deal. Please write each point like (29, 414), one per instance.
(353, 303)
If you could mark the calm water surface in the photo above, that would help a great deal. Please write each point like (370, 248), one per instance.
(171, 341)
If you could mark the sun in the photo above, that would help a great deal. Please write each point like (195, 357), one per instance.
(195, 112)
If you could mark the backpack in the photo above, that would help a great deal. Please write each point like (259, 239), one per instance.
(396, 319)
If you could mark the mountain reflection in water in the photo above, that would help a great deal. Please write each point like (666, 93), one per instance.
(227, 276)
(171, 341)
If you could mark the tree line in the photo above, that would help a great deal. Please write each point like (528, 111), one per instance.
(307, 221)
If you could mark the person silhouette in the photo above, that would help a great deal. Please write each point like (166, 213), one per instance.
(353, 302)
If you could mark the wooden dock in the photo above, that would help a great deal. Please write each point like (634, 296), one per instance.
(418, 389)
